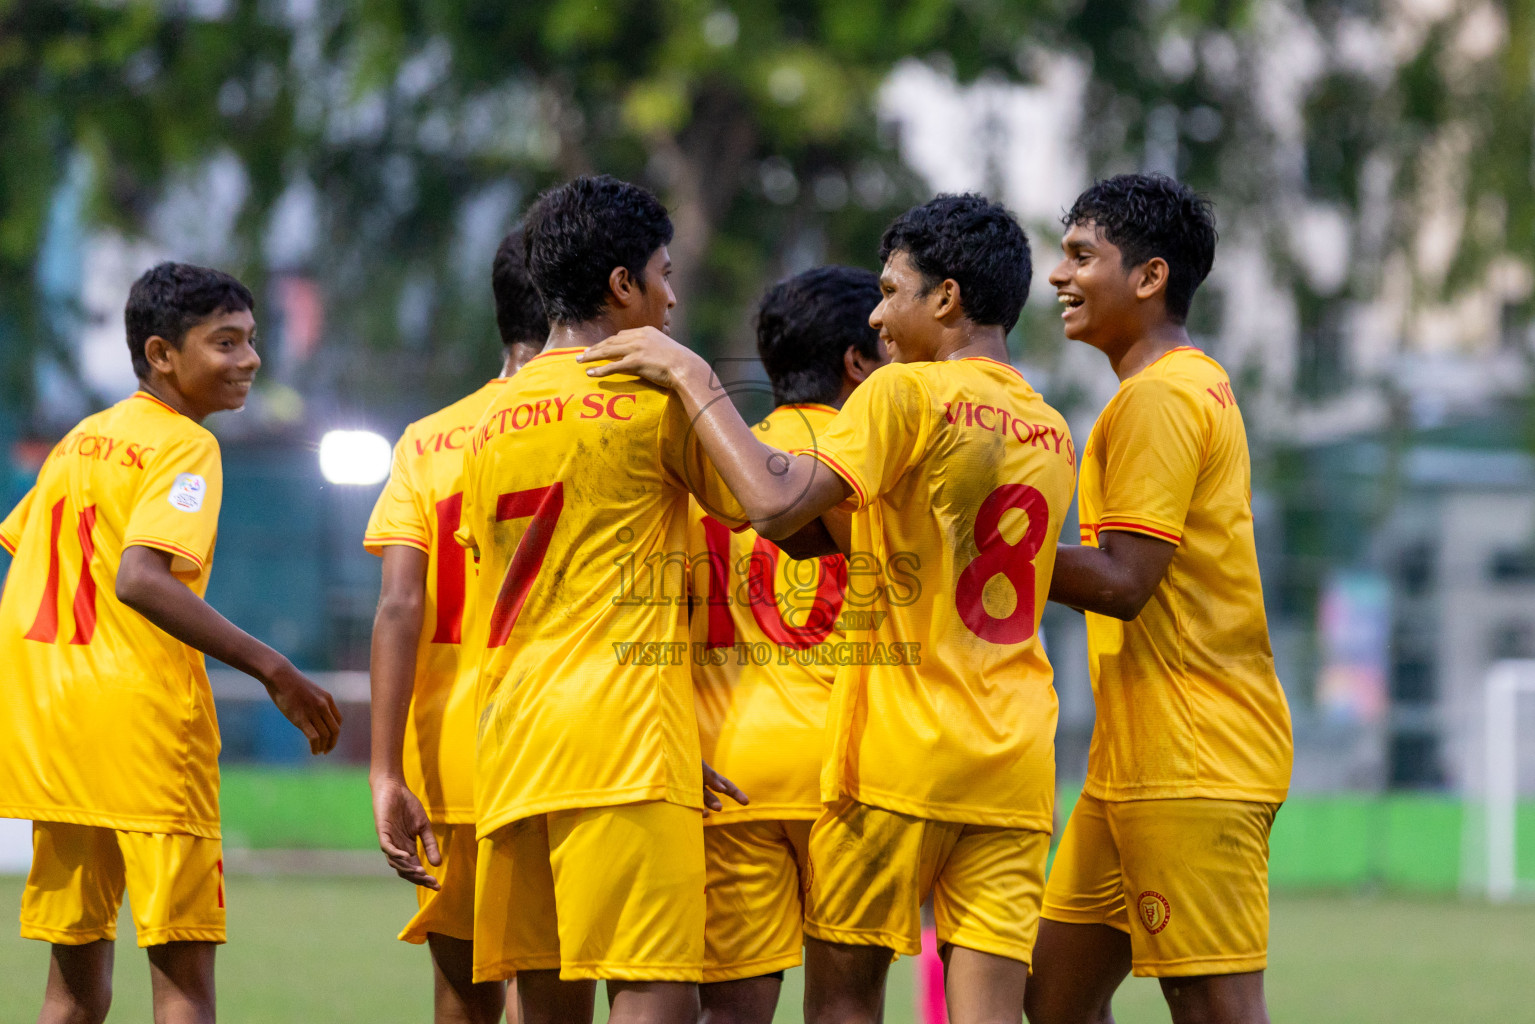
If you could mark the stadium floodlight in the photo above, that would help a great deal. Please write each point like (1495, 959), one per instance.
(356, 457)
(1506, 680)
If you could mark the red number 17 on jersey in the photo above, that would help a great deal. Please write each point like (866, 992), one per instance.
(544, 505)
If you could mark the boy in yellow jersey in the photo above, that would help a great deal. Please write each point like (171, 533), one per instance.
(939, 775)
(1163, 867)
(111, 745)
(591, 861)
(762, 722)
(424, 673)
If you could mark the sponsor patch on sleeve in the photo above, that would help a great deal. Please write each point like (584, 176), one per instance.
(187, 492)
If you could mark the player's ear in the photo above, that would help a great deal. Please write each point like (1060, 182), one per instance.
(157, 352)
(856, 366)
(1151, 278)
(945, 300)
(621, 287)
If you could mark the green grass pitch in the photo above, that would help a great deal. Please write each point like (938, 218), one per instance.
(323, 949)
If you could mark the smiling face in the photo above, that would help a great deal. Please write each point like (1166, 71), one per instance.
(1096, 291)
(905, 317)
(213, 368)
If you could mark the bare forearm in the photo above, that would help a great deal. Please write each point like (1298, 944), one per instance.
(1116, 578)
(396, 628)
(171, 606)
(1088, 580)
(768, 483)
(811, 541)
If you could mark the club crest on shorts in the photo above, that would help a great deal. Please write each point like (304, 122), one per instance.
(187, 492)
(1155, 910)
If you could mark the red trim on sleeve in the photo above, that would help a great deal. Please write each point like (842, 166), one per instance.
(8, 544)
(1138, 528)
(164, 545)
(830, 461)
(389, 539)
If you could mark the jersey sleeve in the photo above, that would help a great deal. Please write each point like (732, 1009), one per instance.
(685, 465)
(400, 514)
(1154, 449)
(881, 432)
(176, 507)
(16, 522)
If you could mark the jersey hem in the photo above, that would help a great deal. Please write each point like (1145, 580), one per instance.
(160, 936)
(1177, 791)
(95, 819)
(172, 547)
(763, 812)
(1195, 966)
(898, 941)
(739, 970)
(506, 967)
(69, 936)
(589, 800)
(604, 970)
(374, 543)
(950, 813)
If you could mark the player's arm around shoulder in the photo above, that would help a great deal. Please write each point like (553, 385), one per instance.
(778, 493)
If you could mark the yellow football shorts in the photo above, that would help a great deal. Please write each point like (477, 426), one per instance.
(1195, 873)
(871, 869)
(175, 885)
(755, 897)
(450, 910)
(607, 892)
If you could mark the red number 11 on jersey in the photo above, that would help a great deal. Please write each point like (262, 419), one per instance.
(45, 628)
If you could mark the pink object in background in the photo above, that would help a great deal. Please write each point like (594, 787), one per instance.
(931, 1008)
(303, 317)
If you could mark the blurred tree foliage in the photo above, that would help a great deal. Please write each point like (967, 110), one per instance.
(404, 135)
(392, 126)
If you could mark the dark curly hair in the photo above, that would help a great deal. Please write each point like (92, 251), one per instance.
(577, 233)
(169, 299)
(976, 242)
(1149, 215)
(519, 311)
(806, 323)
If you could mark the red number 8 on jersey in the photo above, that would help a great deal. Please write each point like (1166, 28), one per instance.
(999, 558)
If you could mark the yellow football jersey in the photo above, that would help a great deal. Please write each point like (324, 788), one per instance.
(1188, 702)
(107, 720)
(961, 478)
(575, 497)
(766, 635)
(421, 506)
